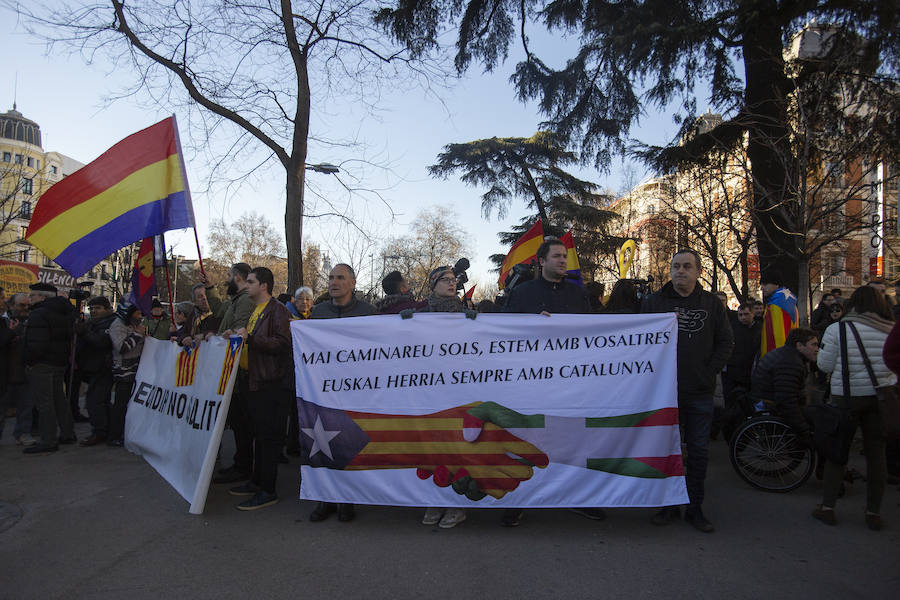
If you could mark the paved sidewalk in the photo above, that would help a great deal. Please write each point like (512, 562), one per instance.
(100, 523)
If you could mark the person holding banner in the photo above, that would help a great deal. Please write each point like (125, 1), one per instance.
(343, 303)
(94, 358)
(269, 364)
(705, 343)
(550, 293)
(127, 335)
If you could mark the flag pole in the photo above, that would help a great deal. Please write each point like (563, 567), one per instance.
(187, 195)
(169, 285)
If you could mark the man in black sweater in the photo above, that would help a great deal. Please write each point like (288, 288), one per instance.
(704, 345)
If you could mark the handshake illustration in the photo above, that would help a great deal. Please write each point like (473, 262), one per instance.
(486, 449)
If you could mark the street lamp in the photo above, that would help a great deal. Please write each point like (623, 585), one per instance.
(326, 168)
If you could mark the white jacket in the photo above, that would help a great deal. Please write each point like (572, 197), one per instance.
(873, 331)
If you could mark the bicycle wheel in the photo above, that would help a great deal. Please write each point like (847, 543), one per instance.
(765, 454)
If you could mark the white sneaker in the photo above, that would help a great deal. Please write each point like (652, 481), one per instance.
(433, 514)
(26, 440)
(452, 518)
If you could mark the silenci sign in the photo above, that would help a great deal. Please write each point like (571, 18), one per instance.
(56, 277)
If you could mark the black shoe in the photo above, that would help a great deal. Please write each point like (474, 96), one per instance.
(245, 489)
(80, 418)
(322, 511)
(596, 514)
(873, 521)
(67, 441)
(346, 512)
(230, 475)
(512, 517)
(694, 516)
(666, 515)
(93, 440)
(115, 443)
(826, 515)
(39, 449)
(259, 500)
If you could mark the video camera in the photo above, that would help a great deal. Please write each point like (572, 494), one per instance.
(80, 295)
(643, 286)
(459, 271)
(519, 274)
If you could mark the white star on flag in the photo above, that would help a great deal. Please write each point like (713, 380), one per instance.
(320, 437)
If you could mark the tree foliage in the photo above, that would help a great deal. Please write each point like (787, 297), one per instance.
(658, 53)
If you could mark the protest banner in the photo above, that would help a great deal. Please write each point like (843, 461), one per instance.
(499, 411)
(177, 410)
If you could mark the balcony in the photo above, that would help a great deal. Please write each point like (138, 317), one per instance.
(837, 281)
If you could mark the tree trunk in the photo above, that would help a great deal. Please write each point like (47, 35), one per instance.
(803, 291)
(296, 177)
(767, 145)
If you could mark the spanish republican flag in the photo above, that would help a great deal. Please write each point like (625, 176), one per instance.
(573, 271)
(523, 251)
(780, 317)
(134, 190)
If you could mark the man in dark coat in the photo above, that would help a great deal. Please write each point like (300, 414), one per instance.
(269, 366)
(48, 338)
(95, 362)
(704, 345)
(343, 303)
(397, 296)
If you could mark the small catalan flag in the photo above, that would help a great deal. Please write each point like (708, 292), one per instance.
(231, 354)
(186, 366)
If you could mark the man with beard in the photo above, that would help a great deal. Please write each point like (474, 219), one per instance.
(343, 303)
(236, 317)
(95, 361)
(397, 295)
(208, 311)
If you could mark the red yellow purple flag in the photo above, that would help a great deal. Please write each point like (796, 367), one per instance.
(573, 270)
(134, 190)
(523, 251)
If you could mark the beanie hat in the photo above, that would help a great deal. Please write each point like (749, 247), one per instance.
(437, 274)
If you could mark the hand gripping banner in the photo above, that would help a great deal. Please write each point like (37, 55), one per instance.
(499, 411)
(177, 410)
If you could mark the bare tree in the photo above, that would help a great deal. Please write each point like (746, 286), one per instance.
(435, 239)
(258, 66)
(251, 239)
(18, 184)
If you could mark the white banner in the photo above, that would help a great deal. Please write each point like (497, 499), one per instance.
(177, 411)
(504, 410)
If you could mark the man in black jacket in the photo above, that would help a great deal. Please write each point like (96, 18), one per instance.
(548, 294)
(779, 379)
(746, 331)
(704, 346)
(94, 356)
(47, 341)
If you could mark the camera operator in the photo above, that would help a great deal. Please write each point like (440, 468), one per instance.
(94, 356)
(548, 294)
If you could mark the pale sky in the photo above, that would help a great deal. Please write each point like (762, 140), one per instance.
(66, 98)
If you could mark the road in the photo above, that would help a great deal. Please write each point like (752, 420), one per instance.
(100, 523)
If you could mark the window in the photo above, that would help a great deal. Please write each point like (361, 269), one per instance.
(23, 231)
(29, 161)
(19, 159)
(23, 256)
(835, 264)
(25, 209)
(53, 169)
(48, 262)
(37, 165)
(27, 186)
(7, 157)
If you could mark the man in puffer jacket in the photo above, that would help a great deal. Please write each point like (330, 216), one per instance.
(869, 314)
(48, 339)
(779, 379)
(127, 335)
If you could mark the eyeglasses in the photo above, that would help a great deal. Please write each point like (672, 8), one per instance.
(447, 280)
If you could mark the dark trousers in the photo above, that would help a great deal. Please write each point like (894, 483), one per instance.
(74, 391)
(46, 382)
(98, 395)
(865, 414)
(293, 428)
(239, 421)
(268, 410)
(695, 414)
(119, 409)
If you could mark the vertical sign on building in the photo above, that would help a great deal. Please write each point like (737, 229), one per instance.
(876, 237)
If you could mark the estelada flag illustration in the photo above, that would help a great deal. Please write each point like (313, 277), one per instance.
(186, 366)
(780, 317)
(143, 279)
(491, 446)
(231, 353)
(134, 190)
(573, 270)
(523, 251)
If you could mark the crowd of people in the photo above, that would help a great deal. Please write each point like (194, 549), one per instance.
(851, 349)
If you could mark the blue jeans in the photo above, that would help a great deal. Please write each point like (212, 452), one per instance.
(696, 414)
